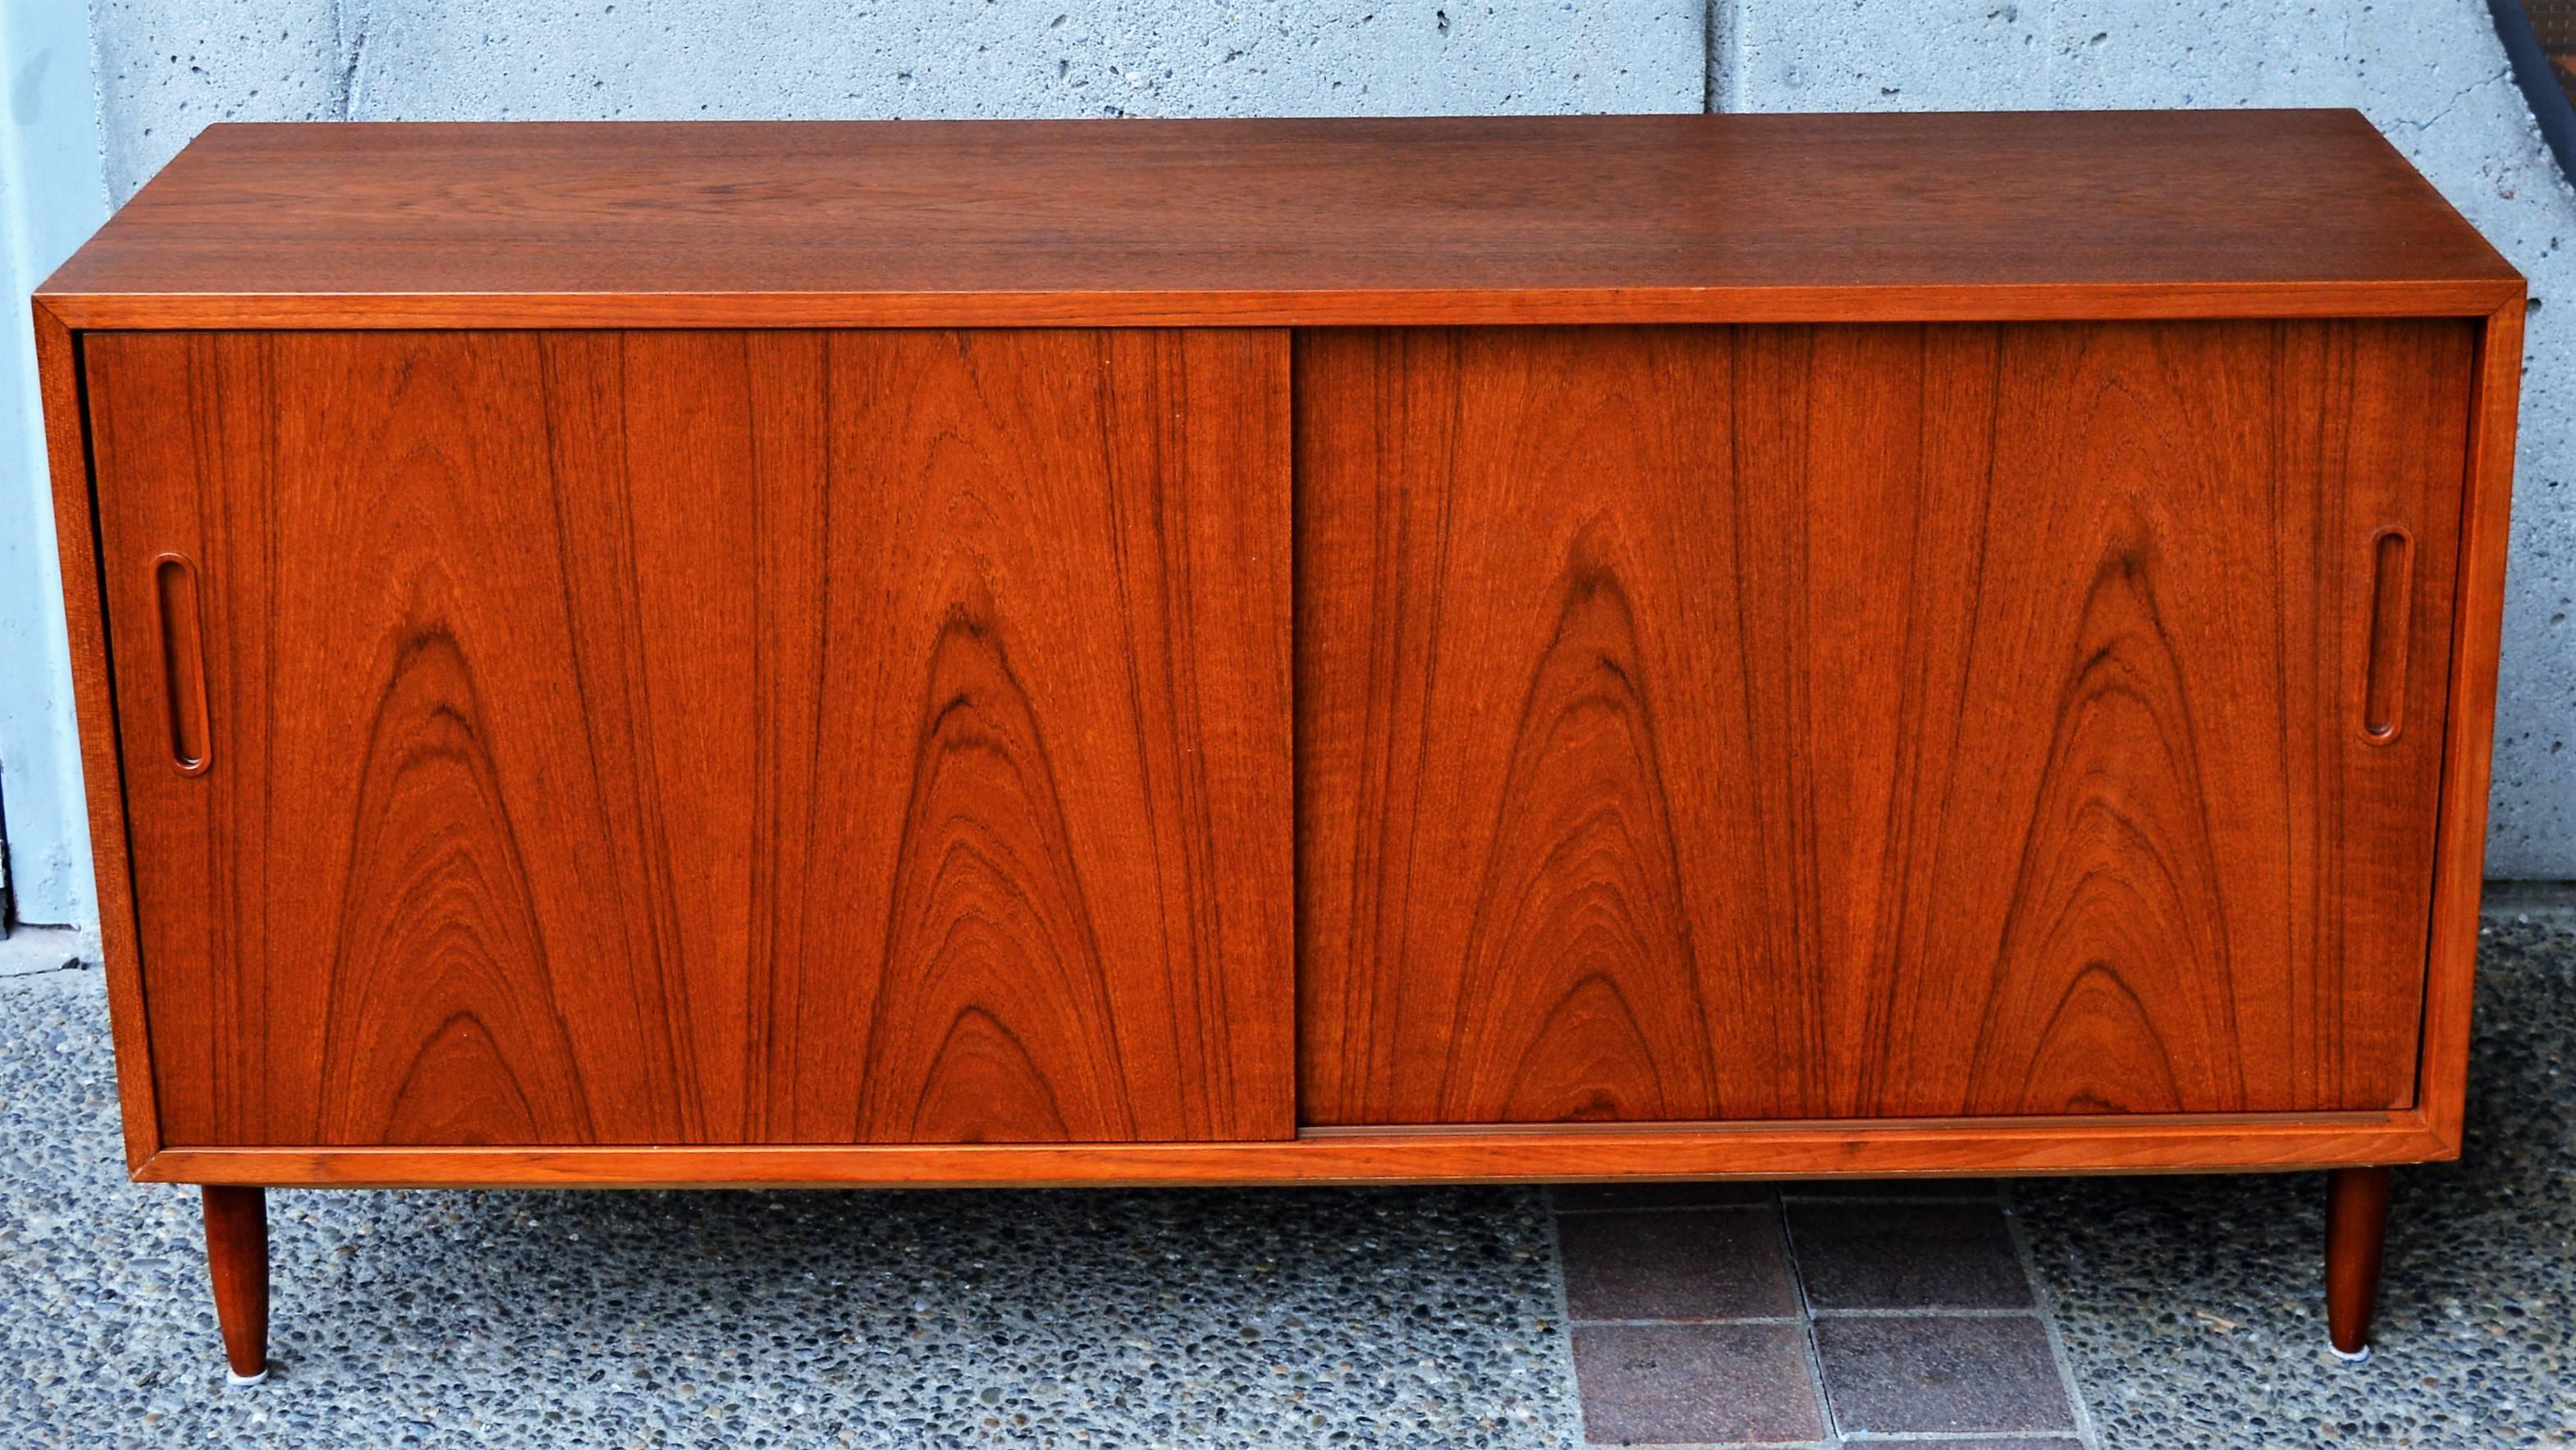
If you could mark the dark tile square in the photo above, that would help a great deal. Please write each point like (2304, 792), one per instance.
(1686, 1384)
(1907, 1256)
(1890, 1188)
(1593, 1197)
(1719, 1263)
(1941, 1373)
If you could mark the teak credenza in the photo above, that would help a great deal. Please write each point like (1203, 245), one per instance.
(1266, 651)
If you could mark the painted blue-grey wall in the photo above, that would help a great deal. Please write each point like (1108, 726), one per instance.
(52, 194)
(2428, 71)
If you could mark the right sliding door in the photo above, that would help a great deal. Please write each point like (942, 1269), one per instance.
(1706, 723)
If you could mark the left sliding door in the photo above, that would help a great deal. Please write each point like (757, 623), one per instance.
(704, 737)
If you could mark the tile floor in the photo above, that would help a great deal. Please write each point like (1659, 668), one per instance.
(1813, 1315)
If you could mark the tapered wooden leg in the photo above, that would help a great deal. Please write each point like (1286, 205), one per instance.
(2356, 1230)
(237, 1260)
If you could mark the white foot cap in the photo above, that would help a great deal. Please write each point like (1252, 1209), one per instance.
(2358, 1356)
(237, 1381)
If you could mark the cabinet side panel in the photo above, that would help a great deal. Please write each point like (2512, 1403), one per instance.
(2469, 743)
(59, 371)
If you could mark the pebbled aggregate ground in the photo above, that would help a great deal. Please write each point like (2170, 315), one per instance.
(2190, 1308)
(1397, 1317)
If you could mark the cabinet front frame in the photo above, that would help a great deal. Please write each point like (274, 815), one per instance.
(2431, 1131)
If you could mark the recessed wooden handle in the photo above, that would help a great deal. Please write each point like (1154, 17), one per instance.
(183, 662)
(2383, 695)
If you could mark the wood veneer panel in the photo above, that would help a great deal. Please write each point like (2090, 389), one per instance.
(1866, 721)
(1056, 568)
(1309, 221)
(58, 372)
(2136, 1143)
(707, 737)
(2469, 722)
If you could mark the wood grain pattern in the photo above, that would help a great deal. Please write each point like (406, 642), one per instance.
(2356, 1237)
(712, 737)
(2469, 716)
(58, 375)
(2136, 1143)
(1854, 722)
(1386, 307)
(1289, 222)
(237, 1263)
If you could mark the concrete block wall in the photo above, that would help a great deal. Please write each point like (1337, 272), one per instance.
(167, 67)
(2430, 72)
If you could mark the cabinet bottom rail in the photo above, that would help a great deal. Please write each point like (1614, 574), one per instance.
(1741, 1150)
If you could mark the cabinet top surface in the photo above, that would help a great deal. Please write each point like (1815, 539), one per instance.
(1314, 222)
